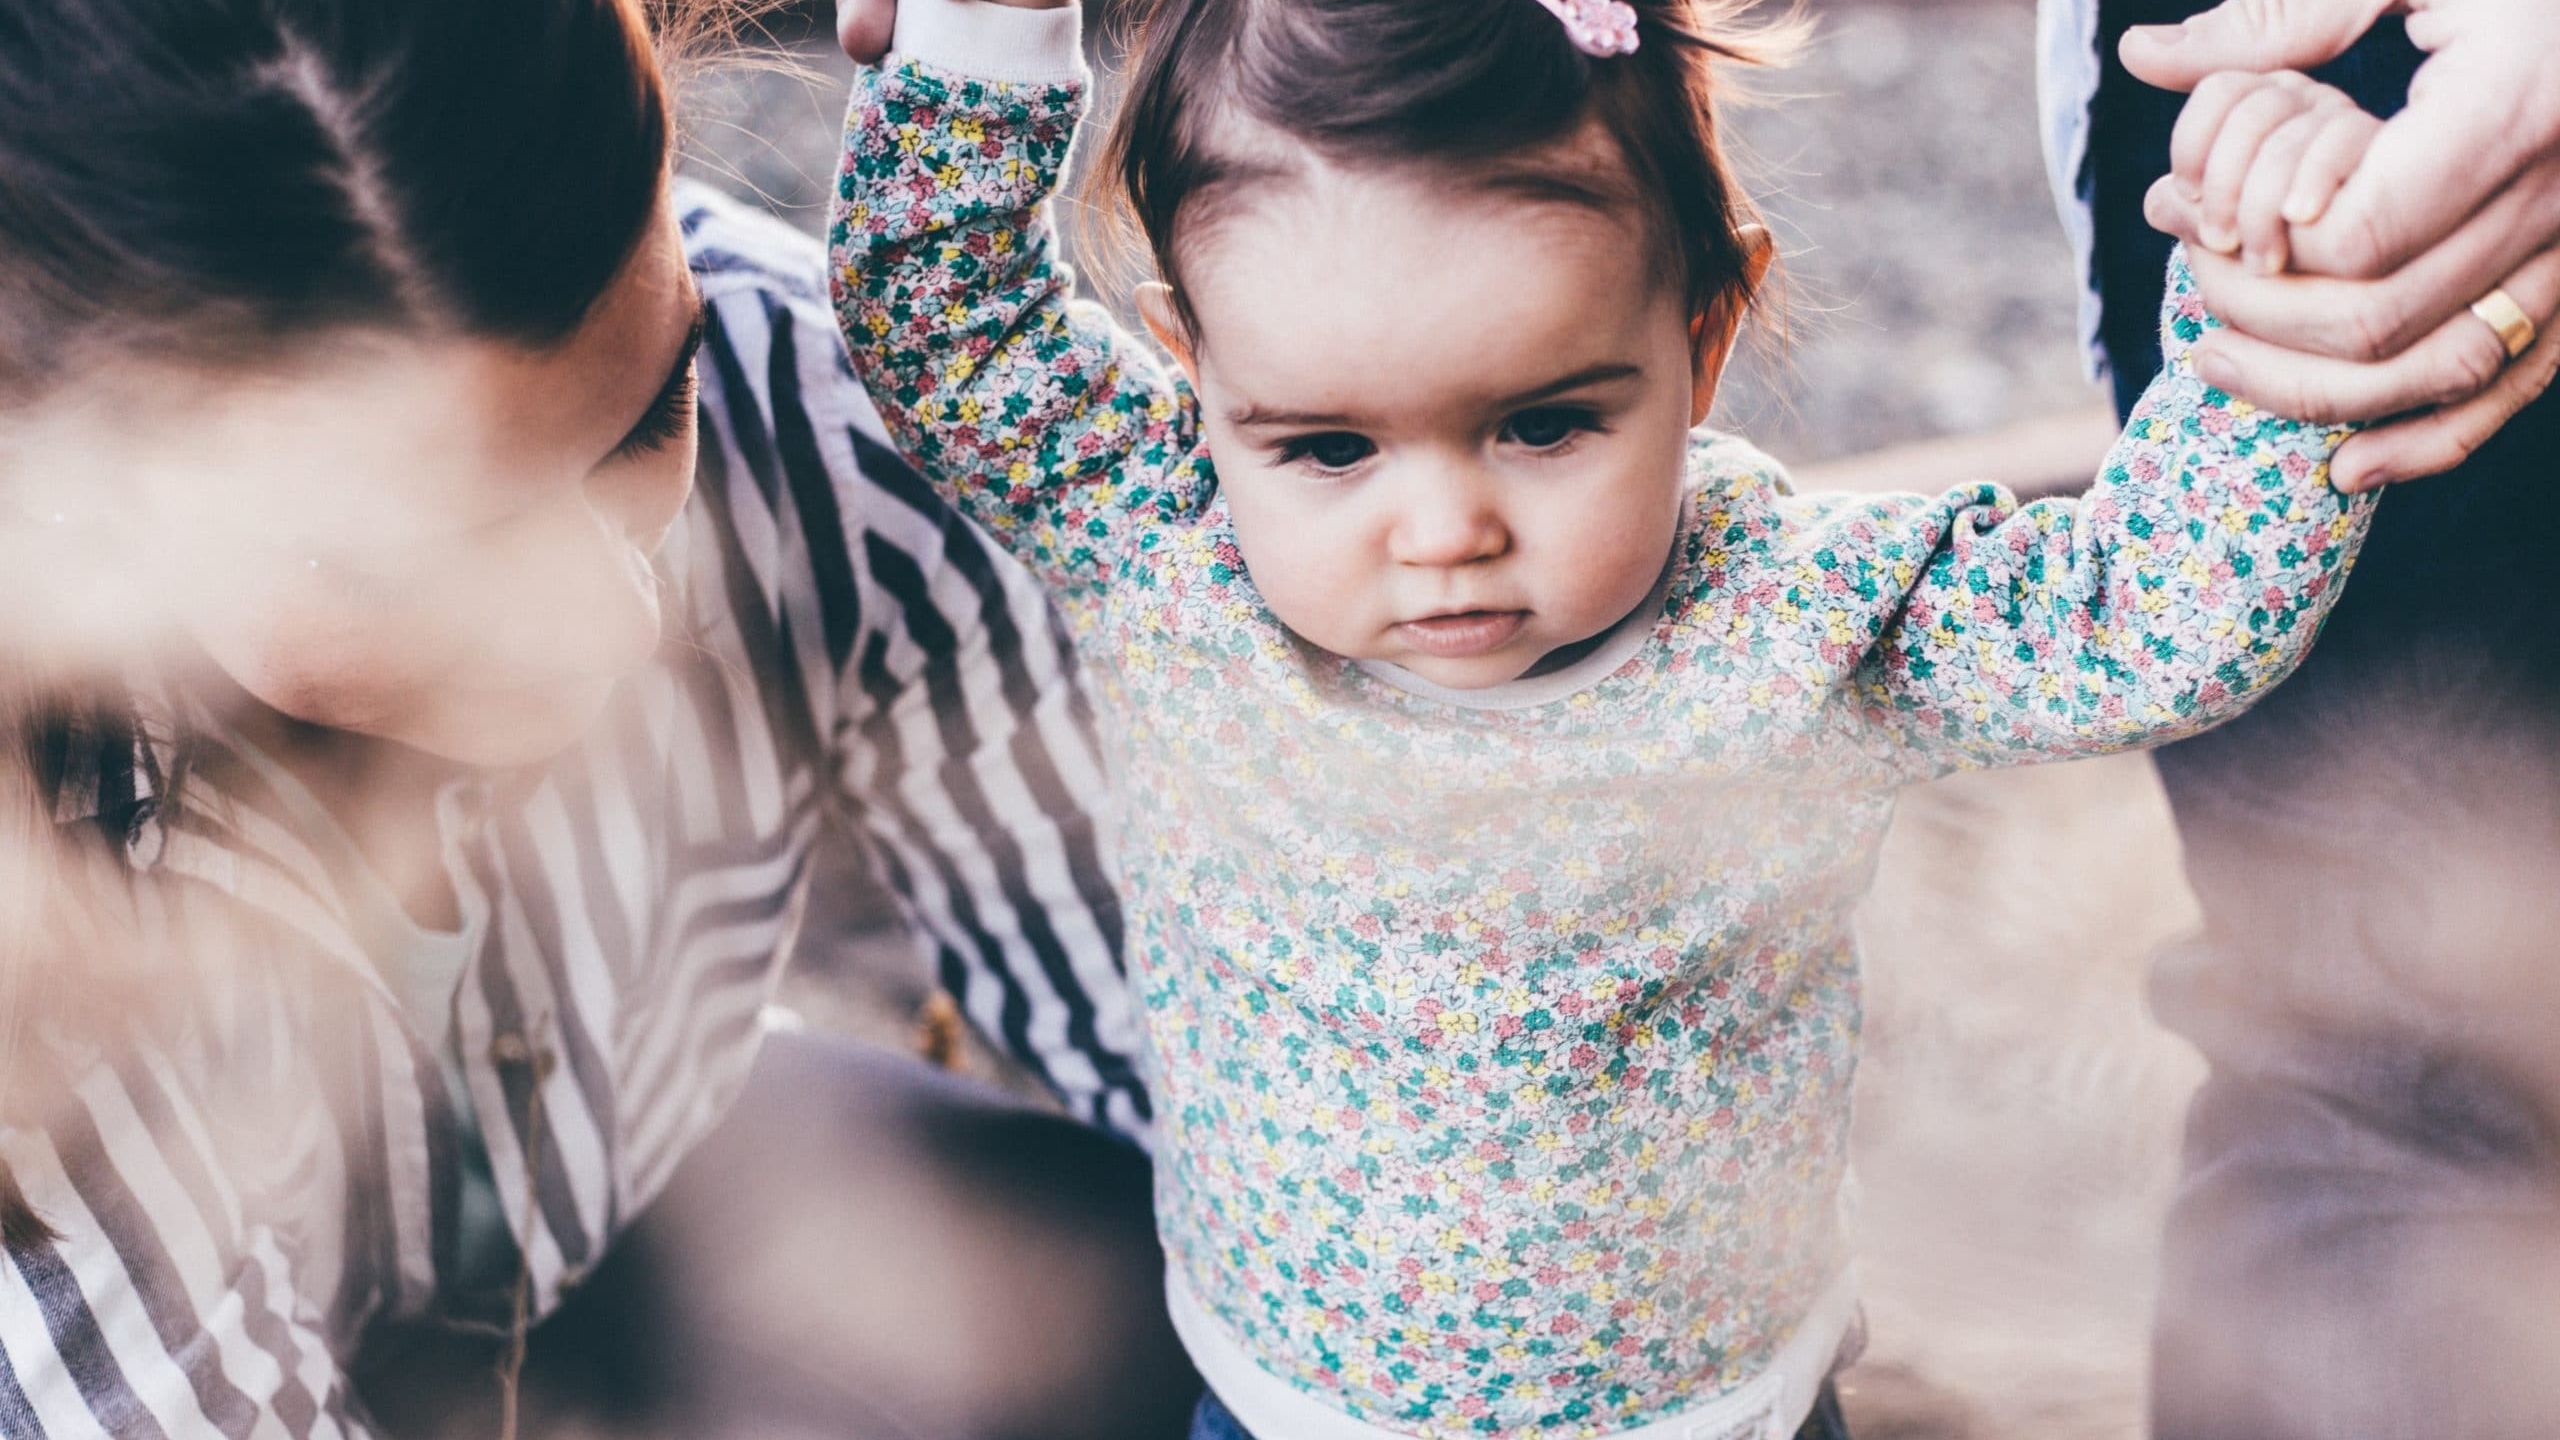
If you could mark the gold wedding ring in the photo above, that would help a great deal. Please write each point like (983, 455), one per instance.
(2500, 312)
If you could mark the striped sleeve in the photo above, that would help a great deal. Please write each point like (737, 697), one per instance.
(937, 681)
(154, 1309)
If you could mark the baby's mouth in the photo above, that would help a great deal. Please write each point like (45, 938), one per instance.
(1462, 634)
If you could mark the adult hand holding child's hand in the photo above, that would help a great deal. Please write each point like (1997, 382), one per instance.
(864, 27)
(2455, 198)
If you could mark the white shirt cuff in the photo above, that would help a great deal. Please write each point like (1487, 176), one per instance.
(986, 41)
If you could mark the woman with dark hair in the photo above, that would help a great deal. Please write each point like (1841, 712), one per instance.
(451, 583)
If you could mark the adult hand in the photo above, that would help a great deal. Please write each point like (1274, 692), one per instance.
(864, 27)
(2459, 194)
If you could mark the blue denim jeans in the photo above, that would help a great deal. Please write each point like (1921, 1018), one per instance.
(1213, 1422)
(2368, 1228)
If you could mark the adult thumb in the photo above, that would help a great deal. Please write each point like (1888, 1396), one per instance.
(2259, 35)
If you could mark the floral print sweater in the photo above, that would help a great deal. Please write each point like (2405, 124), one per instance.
(1502, 1055)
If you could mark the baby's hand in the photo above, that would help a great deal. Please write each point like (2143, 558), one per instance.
(864, 27)
(2256, 154)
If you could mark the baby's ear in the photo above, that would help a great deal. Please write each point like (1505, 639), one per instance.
(1164, 321)
(1712, 331)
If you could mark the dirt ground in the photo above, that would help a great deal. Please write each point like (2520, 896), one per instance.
(2018, 1110)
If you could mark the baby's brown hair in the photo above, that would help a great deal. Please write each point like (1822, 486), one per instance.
(1464, 84)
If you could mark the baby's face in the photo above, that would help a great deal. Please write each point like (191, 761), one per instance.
(1450, 426)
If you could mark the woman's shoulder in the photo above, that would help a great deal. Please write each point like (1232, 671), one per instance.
(796, 476)
(732, 245)
(806, 519)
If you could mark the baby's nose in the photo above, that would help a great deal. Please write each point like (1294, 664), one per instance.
(1449, 524)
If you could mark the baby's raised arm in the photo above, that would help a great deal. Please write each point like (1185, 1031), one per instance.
(2191, 577)
(1030, 409)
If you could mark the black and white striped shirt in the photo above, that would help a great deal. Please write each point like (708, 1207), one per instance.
(242, 1191)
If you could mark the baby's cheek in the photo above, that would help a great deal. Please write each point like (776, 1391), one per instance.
(1308, 576)
(1607, 556)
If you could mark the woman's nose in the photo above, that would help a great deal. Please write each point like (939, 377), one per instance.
(1448, 522)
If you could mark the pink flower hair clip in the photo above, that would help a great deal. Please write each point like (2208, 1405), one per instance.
(1597, 27)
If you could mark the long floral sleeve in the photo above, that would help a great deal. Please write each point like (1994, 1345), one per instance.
(2192, 576)
(1033, 411)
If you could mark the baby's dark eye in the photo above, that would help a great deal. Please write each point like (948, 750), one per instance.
(1332, 450)
(1548, 426)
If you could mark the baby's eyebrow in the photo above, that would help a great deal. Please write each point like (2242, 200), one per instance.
(1253, 416)
(1596, 191)
(1564, 384)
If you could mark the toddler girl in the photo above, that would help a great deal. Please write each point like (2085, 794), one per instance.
(1500, 760)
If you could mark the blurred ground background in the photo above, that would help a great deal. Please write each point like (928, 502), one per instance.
(2018, 1110)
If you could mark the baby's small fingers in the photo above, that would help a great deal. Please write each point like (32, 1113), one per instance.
(2200, 119)
(2264, 243)
(2244, 132)
(2345, 135)
(2167, 208)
